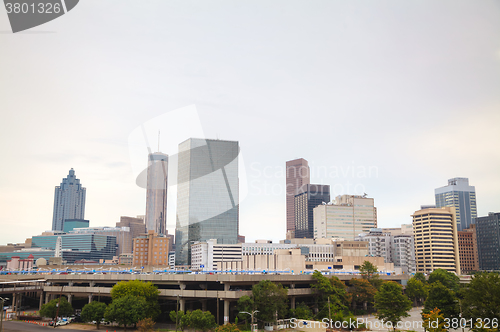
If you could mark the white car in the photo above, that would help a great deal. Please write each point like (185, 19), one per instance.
(61, 322)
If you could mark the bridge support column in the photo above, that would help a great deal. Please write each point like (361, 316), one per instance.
(41, 301)
(226, 311)
(182, 286)
(204, 305)
(47, 297)
(70, 298)
(226, 287)
(14, 302)
(182, 303)
(292, 302)
(92, 284)
(90, 298)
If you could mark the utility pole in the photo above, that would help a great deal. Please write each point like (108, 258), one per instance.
(217, 307)
(1, 315)
(176, 313)
(329, 313)
(58, 305)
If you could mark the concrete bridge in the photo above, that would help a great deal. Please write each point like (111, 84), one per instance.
(204, 291)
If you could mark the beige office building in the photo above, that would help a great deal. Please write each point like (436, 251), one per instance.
(151, 249)
(345, 218)
(436, 240)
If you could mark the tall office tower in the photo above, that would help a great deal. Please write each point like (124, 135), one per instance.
(488, 241)
(307, 198)
(156, 193)
(136, 225)
(297, 175)
(467, 249)
(459, 194)
(436, 240)
(207, 195)
(69, 201)
(347, 217)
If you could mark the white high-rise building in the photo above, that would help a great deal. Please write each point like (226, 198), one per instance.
(156, 193)
(345, 218)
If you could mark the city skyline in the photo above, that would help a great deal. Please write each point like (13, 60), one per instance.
(375, 101)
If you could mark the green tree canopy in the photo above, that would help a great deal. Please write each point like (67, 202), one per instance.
(176, 317)
(302, 311)
(361, 292)
(420, 276)
(50, 309)
(94, 311)
(416, 290)
(201, 320)
(127, 310)
(147, 290)
(333, 291)
(482, 297)
(369, 271)
(442, 298)
(391, 304)
(270, 298)
(245, 304)
(448, 279)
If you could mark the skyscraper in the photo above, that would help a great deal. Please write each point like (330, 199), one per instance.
(436, 240)
(488, 241)
(156, 193)
(459, 194)
(69, 201)
(308, 197)
(207, 194)
(347, 217)
(297, 174)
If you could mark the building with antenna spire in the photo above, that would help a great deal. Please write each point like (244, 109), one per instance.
(156, 193)
(69, 201)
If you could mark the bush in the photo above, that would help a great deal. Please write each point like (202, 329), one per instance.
(227, 328)
(145, 325)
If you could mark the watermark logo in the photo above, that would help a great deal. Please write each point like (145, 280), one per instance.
(26, 14)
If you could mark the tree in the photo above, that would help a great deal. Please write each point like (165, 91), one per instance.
(448, 279)
(145, 325)
(416, 290)
(127, 310)
(442, 298)
(369, 272)
(391, 304)
(270, 299)
(176, 317)
(434, 321)
(147, 290)
(246, 304)
(362, 292)
(302, 311)
(50, 309)
(201, 320)
(329, 290)
(420, 276)
(94, 311)
(482, 297)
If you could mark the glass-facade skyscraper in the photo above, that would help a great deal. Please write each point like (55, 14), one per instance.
(156, 193)
(297, 174)
(488, 241)
(460, 195)
(308, 197)
(207, 194)
(69, 201)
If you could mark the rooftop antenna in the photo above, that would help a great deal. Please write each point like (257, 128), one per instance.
(158, 141)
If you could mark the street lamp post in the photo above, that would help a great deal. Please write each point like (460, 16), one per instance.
(251, 315)
(1, 315)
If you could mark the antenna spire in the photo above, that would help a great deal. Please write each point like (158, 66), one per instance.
(158, 141)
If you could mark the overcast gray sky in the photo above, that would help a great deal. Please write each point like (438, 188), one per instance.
(404, 93)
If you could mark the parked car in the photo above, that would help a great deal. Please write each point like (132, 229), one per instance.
(61, 322)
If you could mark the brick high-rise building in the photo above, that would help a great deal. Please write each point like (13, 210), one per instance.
(151, 249)
(467, 249)
(297, 175)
